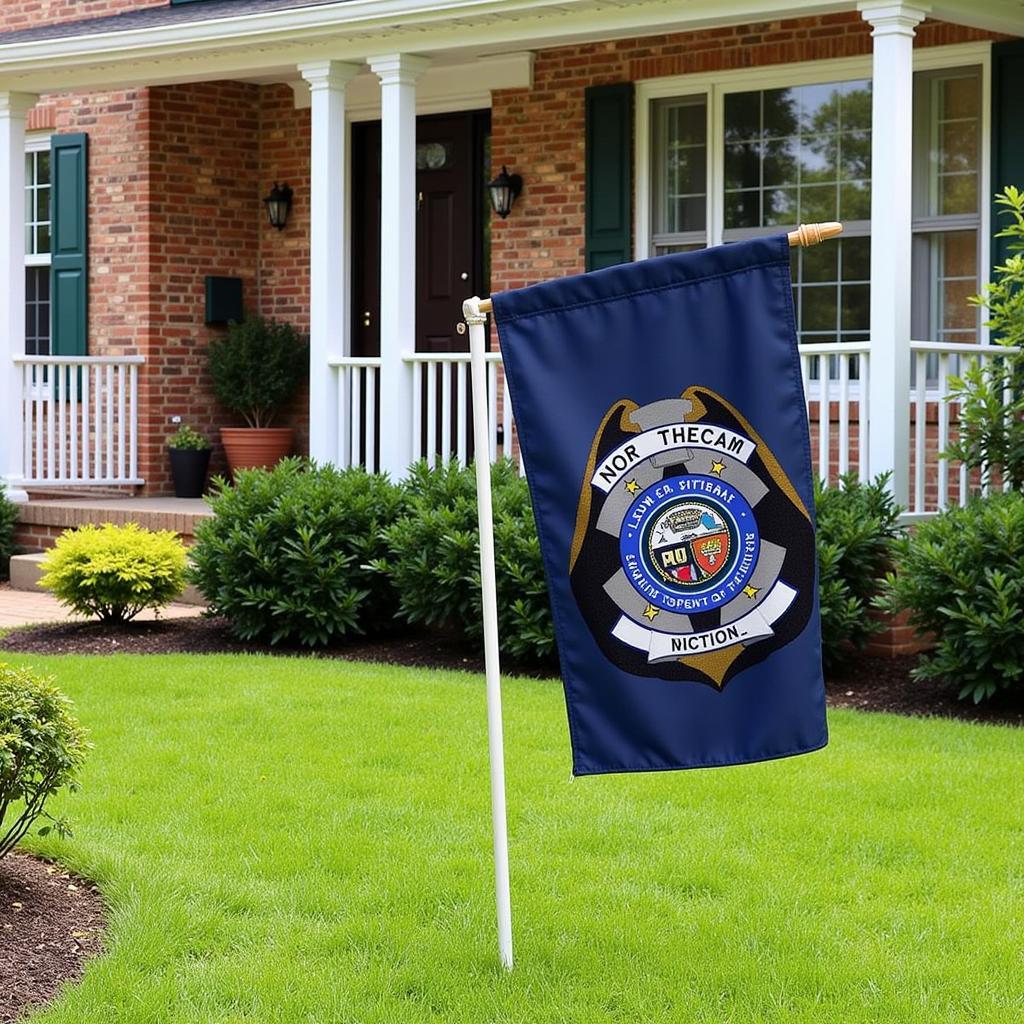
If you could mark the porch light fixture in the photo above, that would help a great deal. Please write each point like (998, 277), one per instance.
(504, 191)
(279, 205)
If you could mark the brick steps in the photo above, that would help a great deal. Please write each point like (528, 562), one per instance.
(40, 523)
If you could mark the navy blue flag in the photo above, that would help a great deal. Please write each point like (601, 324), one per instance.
(661, 420)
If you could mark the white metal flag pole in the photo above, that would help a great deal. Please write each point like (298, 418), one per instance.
(477, 322)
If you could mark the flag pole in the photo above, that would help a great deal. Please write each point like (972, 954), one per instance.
(806, 234)
(477, 320)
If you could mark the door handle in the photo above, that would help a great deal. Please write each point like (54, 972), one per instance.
(464, 276)
(366, 318)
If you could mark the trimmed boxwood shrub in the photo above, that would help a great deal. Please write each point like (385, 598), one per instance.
(42, 747)
(8, 520)
(857, 525)
(288, 554)
(114, 572)
(961, 577)
(433, 559)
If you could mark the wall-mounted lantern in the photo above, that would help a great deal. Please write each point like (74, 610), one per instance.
(504, 190)
(279, 205)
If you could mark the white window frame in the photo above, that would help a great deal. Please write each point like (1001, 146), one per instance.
(714, 88)
(40, 143)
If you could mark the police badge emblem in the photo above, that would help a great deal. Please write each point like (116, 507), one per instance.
(693, 555)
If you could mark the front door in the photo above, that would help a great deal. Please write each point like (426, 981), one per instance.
(449, 229)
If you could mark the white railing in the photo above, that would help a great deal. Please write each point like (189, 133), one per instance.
(81, 420)
(442, 413)
(357, 380)
(836, 379)
(937, 483)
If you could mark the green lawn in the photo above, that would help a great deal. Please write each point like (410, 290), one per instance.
(308, 841)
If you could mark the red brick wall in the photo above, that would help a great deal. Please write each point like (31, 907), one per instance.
(539, 131)
(19, 14)
(204, 219)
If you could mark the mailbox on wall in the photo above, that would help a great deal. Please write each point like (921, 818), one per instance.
(223, 300)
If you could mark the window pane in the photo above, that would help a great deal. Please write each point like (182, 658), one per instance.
(856, 258)
(680, 165)
(37, 203)
(796, 146)
(37, 311)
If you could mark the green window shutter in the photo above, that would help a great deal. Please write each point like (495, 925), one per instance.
(609, 175)
(1007, 136)
(69, 260)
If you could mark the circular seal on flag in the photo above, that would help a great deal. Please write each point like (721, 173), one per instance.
(693, 555)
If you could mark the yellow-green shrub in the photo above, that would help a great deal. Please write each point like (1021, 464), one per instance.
(114, 572)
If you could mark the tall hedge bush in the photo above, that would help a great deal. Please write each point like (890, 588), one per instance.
(288, 553)
(857, 526)
(433, 559)
(961, 577)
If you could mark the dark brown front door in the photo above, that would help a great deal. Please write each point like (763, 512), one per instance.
(449, 229)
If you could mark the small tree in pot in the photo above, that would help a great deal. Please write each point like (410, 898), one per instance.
(190, 459)
(256, 368)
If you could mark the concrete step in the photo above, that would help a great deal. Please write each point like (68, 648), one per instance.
(26, 570)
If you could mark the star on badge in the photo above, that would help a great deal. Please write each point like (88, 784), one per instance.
(717, 467)
(751, 592)
(632, 486)
(650, 612)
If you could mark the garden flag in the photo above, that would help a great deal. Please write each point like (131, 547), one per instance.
(661, 420)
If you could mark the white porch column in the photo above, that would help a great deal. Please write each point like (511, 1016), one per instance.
(14, 108)
(398, 74)
(328, 248)
(891, 168)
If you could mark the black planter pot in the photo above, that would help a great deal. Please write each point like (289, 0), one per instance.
(188, 469)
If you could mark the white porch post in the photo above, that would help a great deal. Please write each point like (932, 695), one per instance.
(891, 168)
(328, 269)
(398, 74)
(14, 108)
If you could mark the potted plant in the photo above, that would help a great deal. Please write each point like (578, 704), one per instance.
(256, 368)
(190, 459)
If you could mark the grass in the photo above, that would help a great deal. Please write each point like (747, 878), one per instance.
(308, 841)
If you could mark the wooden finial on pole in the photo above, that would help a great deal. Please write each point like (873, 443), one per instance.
(812, 234)
(806, 234)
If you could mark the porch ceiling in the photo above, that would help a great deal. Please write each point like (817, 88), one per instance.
(267, 41)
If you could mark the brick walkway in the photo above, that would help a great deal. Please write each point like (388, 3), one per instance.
(22, 608)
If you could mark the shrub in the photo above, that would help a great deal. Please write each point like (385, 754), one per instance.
(857, 524)
(187, 439)
(42, 747)
(257, 367)
(287, 554)
(434, 559)
(961, 577)
(991, 397)
(8, 521)
(114, 572)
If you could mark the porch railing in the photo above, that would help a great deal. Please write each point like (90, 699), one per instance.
(81, 420)
(836, 380)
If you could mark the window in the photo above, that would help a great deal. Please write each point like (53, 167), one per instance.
(782, 156)
(946, 208)
(37, 249)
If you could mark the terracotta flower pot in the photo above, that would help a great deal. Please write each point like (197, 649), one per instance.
(248, 448)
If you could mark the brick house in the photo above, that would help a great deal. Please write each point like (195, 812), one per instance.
(139, 137)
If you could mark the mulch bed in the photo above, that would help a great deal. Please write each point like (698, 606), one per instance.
(866, 683)
(51, 923)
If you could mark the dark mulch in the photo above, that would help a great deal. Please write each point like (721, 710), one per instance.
(51, 923)
(866, 683)
(885, 684)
